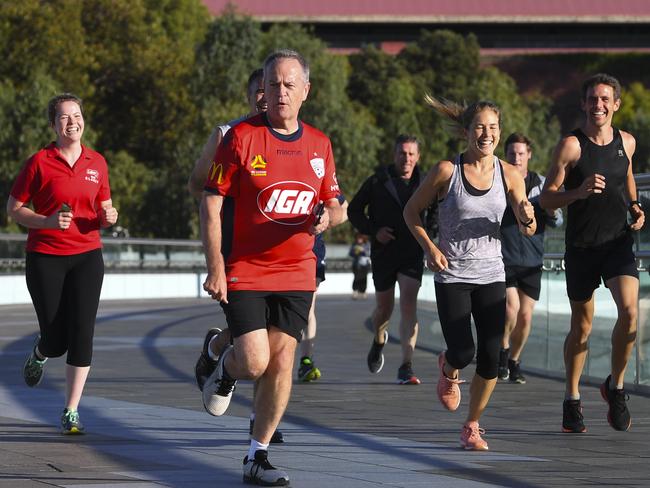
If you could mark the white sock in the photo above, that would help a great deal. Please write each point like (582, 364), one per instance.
(256, 446)
(212, 355)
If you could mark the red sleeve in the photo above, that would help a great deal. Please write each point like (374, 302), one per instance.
(223, 177)
(27, 182)
(105, 188)
(330, 186)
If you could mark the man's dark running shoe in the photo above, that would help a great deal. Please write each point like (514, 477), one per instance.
(276, 438)
(514, 369)
(307, 371)
(258, 471)
(375, 356)
(572, 419)
(502, 372)
(219, 387)
(33, 367)
(70, 423)
(618, 415)
(406, 376)
(205, 365)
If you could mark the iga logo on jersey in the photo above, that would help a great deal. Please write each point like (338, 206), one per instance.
(287, 202)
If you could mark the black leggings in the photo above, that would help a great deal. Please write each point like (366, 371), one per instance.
(360, 282)
(65, 292)
(487, 304)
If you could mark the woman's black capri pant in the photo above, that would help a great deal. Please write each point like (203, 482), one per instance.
(65, 292)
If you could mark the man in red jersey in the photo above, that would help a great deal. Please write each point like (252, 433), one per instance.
(258, 221)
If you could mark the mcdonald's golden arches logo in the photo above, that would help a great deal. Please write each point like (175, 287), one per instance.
(216, 173)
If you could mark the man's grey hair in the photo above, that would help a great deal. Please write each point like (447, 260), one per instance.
(287, 54)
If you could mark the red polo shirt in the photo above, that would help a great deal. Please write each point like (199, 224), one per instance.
(47, 181)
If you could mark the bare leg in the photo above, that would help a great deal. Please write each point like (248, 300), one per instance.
(274, 386)
(520, 333)
(575, 344)
(479, 394)
(309, 335)
(625, 291)
(382, 313)
(408, 326)
(512, 309)
(75, 380)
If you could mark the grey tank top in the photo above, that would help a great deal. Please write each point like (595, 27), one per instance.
(469, 230)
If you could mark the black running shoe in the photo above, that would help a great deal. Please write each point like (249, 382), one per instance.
(307, 371)
(375, 355)
(406, 376)
(258, 471)
(205, 365)
(618, 415)
(503, 373)
(276, 438)
(572, 419)
(514, 374)
(33, 367)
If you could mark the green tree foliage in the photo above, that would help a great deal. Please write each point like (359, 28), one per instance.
(157, 75)
(634, 116)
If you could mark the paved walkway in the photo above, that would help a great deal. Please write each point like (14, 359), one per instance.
(146, 426)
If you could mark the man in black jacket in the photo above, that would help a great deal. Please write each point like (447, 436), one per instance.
(376, 210)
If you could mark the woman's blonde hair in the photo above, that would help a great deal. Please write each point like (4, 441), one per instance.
(460, 116)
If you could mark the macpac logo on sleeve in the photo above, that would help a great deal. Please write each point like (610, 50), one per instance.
(287, 202)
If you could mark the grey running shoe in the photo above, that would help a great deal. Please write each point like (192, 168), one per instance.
(503, 373)
(258, 471)
(276, 438)
(375, 356)
(218, 389)
(514, 368)
(70, 423)
(572, 419)
(205, 365)
(33, 367)
(618, 415)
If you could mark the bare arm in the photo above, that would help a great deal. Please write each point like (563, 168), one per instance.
(25, 216)
(199, 173)
(567, 153)
(210, 219)
(108, 213)
(629, 143)
(436, 182)
(522, 208)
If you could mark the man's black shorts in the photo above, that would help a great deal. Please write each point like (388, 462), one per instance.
(525, 278)
(586, 266)
(247, 311)
(384, 271)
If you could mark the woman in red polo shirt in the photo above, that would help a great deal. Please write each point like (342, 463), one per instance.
(67, 186)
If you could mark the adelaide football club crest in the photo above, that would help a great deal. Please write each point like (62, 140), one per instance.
(318, 165)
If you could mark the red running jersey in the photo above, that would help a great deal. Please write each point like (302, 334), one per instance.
(271, 183)
(47, 181)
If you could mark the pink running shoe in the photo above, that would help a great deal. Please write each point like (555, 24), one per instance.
(448, 390)
(470, 437)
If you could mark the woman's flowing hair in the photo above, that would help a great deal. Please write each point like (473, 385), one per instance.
(459, 117)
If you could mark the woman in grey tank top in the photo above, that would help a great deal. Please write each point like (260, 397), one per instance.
(473, 190)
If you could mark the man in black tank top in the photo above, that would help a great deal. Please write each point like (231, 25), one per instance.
(594, 164)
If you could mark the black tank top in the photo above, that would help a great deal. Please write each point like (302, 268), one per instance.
(600, 218)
